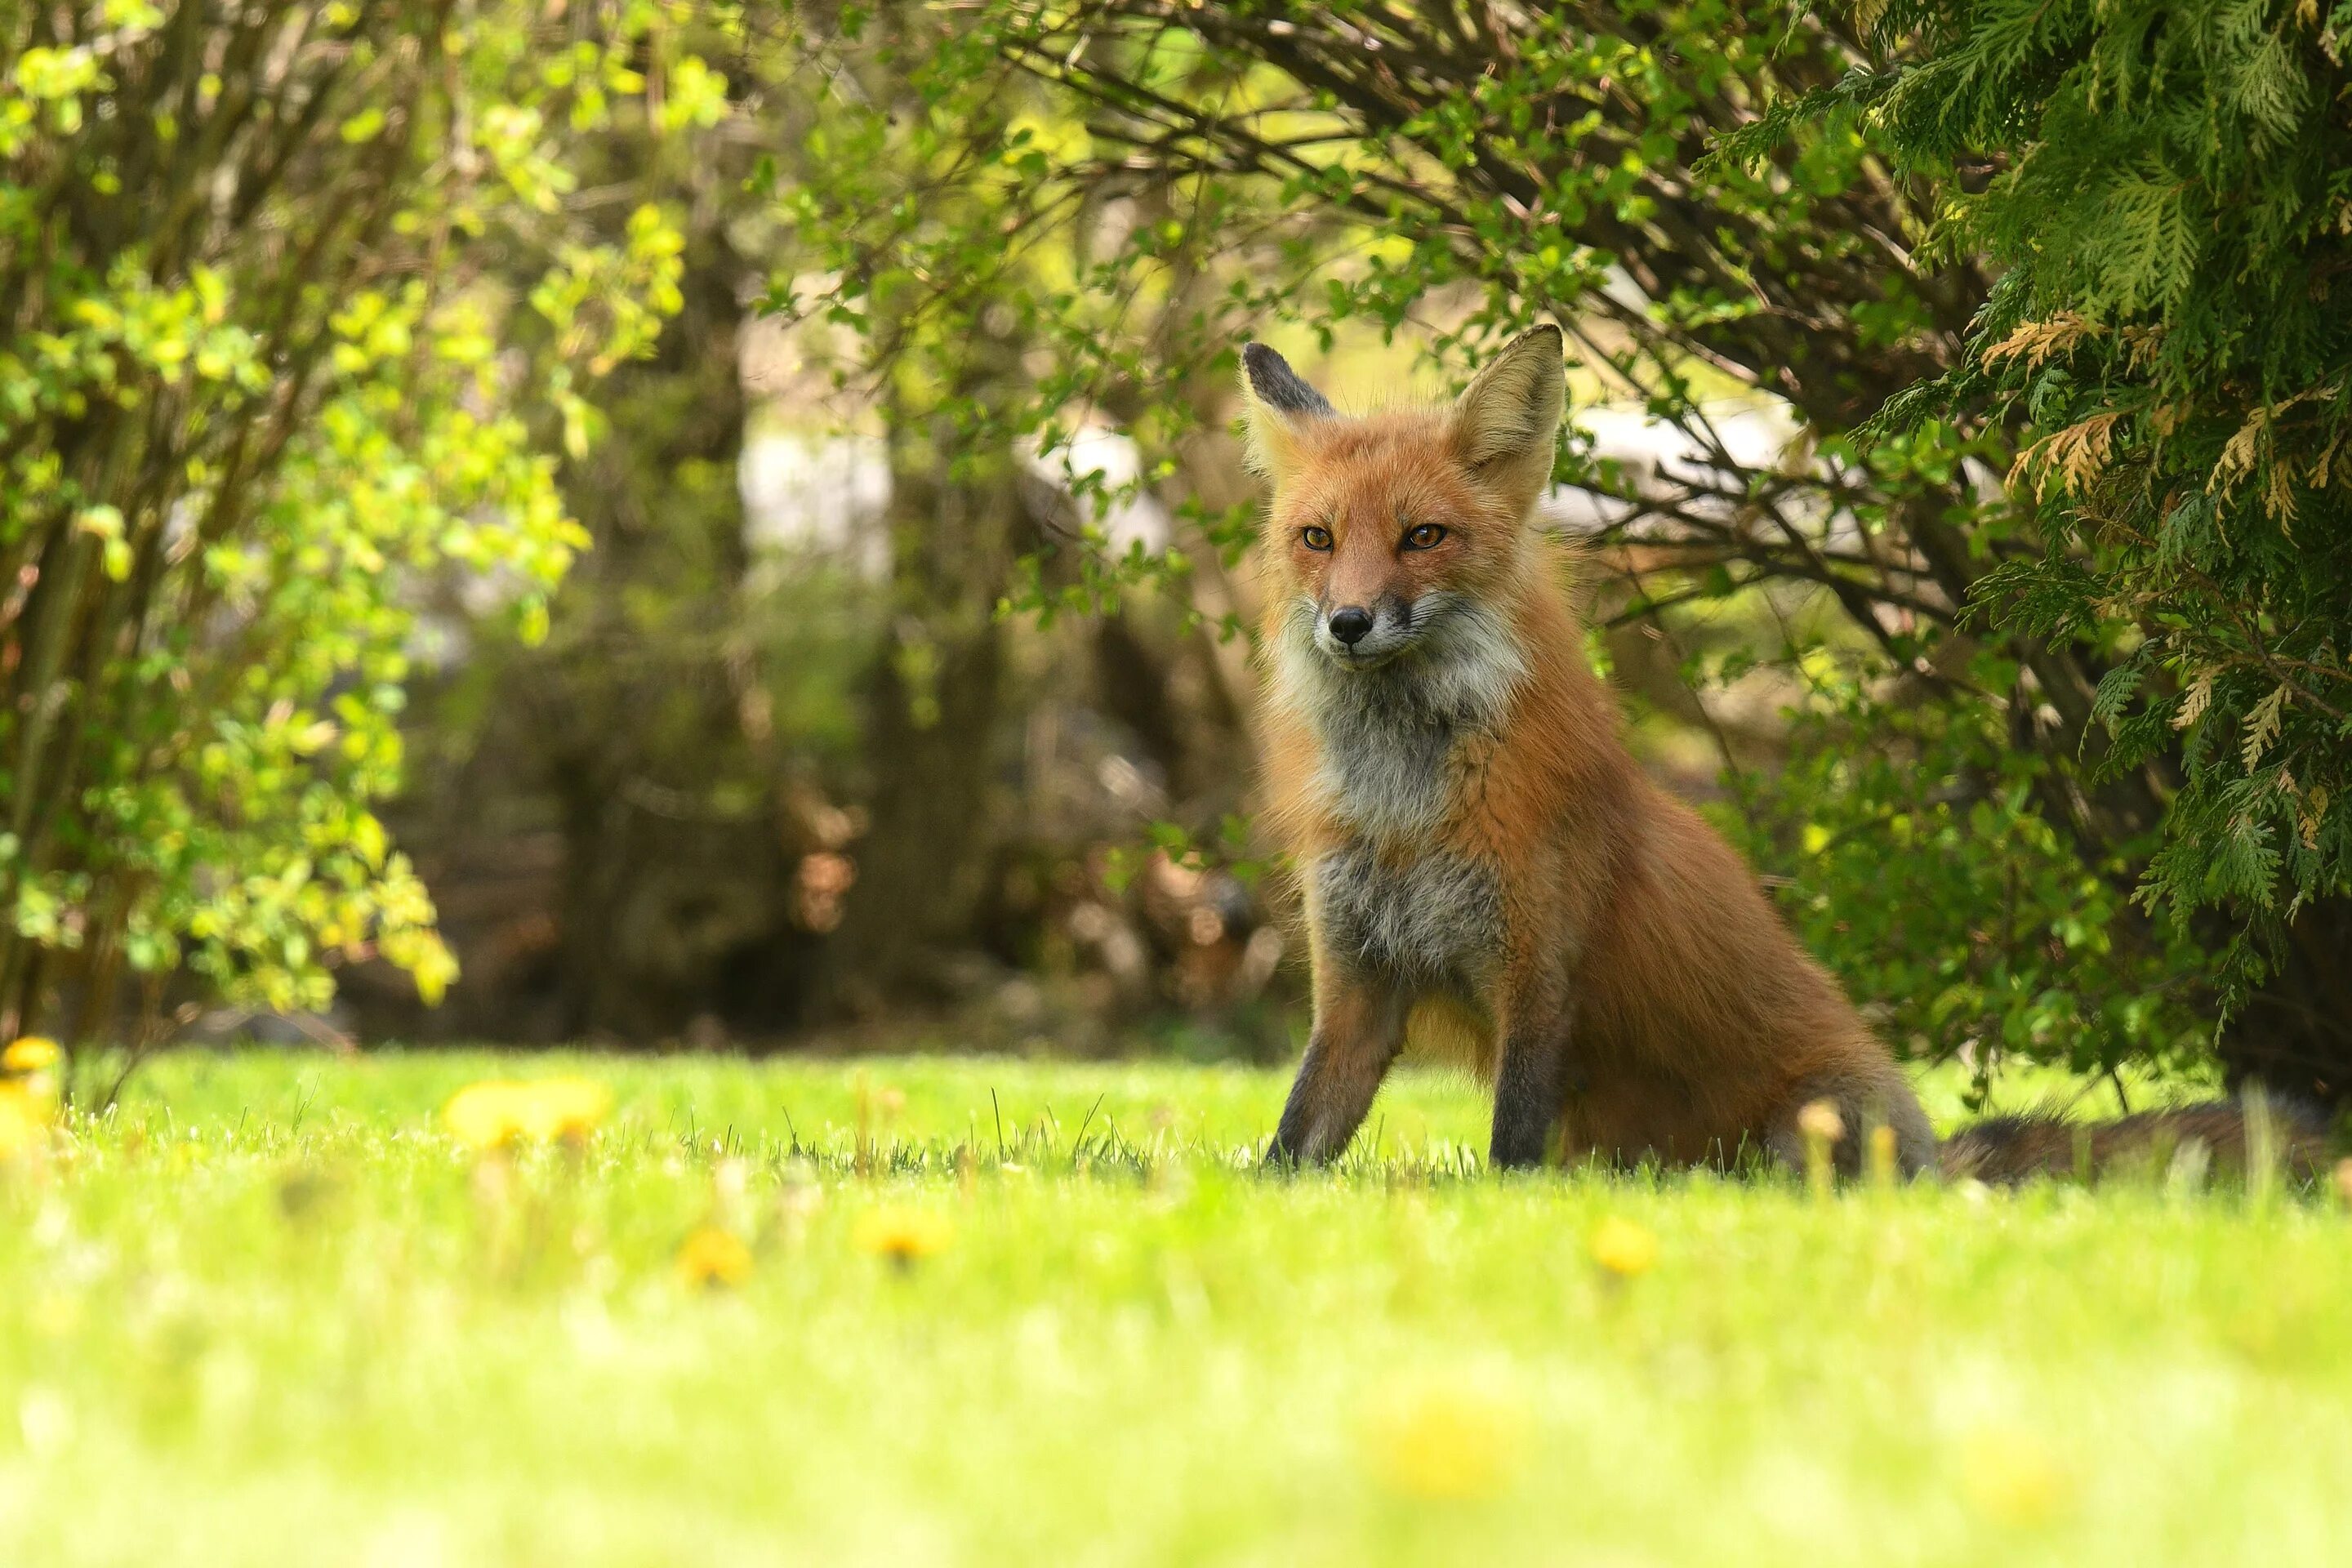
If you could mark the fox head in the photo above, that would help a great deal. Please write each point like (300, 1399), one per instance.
(1387, 532)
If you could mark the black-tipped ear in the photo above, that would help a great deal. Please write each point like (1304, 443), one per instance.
(1509, 413)
(1272, 383)
(1279, 404)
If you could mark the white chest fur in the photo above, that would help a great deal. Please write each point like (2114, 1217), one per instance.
(1431, 920)
(1389, 735)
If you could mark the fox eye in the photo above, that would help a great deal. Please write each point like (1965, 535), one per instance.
(1422, 536)
(1317, 538)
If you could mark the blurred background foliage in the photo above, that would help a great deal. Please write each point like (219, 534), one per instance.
(863, 375)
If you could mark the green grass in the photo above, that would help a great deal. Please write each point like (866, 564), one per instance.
(269, 1313)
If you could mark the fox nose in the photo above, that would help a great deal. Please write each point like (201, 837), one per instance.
(1350, 624)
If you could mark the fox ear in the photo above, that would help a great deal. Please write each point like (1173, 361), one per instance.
(1506, 418)
(1278, 401)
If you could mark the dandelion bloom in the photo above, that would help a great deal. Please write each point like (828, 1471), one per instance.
(2011, 1477)
(495, 1114)
(1822, 1126)
(34, 1053)
(1820, 1121)
(25, 1115)
(1624, 1247)
(714, 1257)
(1882, 1168)
(28, 1095)
(902, 1236)
(1444, 1441)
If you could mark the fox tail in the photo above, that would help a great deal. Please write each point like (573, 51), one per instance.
(2220, 1133)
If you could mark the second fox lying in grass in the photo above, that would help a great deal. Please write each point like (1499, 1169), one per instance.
(1480, 850)
(1446, 769)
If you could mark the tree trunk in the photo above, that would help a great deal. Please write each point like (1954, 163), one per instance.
(933, 699)
(2293, 1036)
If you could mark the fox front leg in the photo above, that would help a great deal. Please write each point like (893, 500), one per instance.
(1359, 1029)
(1532, 1070)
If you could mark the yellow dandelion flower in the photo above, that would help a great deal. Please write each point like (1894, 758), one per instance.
(495, 1114)
(1821, 1126)
(483, 1115)
(570, 1107)
(1622, 1248)
(904, 1237)
(1882, 1168)
(28, 1095)
(1444, 1441)
(714, 1257)
(34, 1053)
(2012, 1478)
(1820, 1119)
(27, 1106)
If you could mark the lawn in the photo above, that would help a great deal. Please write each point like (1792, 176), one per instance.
(986, 1312)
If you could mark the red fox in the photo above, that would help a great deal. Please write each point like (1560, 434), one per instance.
(1446, 769)
(1478, 849)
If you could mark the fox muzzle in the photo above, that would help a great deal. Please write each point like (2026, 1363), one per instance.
(1358, 637)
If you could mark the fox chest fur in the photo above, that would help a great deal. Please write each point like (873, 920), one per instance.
(1433, 921)
(1394, 750)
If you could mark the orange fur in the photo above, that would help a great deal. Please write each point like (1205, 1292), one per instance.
(1639, 996)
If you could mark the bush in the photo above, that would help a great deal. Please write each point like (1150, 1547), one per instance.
(2166, 189)
(261, 386)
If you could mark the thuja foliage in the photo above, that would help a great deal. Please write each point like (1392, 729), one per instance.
(294, 321)
(1907, 849)
(2167, 189)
